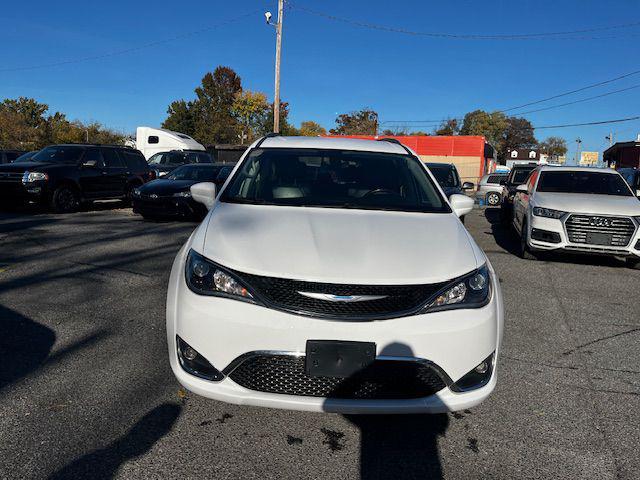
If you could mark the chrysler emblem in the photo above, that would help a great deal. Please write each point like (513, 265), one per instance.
(342, 298)
(599, 222)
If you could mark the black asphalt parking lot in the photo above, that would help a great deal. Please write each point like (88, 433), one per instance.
(86, 390)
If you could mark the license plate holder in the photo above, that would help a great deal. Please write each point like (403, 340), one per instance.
(341, 359)
(596, 238)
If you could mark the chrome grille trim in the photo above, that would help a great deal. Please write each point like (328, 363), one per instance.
(621, 229)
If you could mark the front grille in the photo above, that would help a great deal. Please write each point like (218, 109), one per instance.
(384, 379)
(618, 230)
(285, 295)
(11, 177)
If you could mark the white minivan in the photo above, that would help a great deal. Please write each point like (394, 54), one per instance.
(334, 275)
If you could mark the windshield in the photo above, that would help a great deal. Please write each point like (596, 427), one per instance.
(25, 157)
(520, 175)
(446, 176)
(198, 174)
(59, 154)
(596, 183)
(334, 178)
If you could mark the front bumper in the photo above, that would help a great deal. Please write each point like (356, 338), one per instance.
(222, 330)
(556, 227)
(167, 207)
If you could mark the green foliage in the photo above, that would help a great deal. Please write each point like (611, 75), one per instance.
(449, 127)
(362, 122)
(310, 128)
(180, 118)
(553, 146)
(24, 124)
(251, 110)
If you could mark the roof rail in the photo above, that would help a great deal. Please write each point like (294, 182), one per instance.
(397, 142)
(268, 135)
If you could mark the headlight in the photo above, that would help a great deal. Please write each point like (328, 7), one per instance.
(186, 194)
(548, 213)
(29, 177)
(136, 192)
(206, 278)
(471, 291)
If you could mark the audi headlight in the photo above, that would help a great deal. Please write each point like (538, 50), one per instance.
(186, 194)
(30, 177)
(471, 291)
(206, 278)
(548, 212)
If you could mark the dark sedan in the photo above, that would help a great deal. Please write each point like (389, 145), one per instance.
(447, 176)
(170, 196)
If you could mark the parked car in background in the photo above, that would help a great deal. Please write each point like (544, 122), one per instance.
(170, 196)
(8, 156)
(25, 156)
(64, 176)
(517, 176)
(632, 176)
(490, 188)
(333, 275)
(578, 210)
(449, 180)
(164, 162)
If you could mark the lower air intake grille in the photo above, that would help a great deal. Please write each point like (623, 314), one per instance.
(393, 300)
(384, 379)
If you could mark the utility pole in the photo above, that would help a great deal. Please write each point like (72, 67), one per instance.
(276, 96)
(610, 138)
(578, 145)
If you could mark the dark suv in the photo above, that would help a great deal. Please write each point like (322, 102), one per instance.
(517, 176)
(64, 176)
(164, 162)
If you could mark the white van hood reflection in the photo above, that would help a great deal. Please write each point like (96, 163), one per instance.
(338, 245)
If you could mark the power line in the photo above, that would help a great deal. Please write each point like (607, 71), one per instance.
(132, 49)
(603, 122)
(522, 36)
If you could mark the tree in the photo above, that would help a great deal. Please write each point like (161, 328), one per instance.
(310, 128)
(553, 146)
(362, 122)
(490, 125)
(450, 126)
(24, 124)
(180, 118)
(213, 120)
(250, 110)
(518, 134)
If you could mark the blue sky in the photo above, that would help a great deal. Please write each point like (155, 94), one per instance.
(328, 67)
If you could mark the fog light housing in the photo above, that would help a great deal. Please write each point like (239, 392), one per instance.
(476, 378)
(545, 235)
(194, 363)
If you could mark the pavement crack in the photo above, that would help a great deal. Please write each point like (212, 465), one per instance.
(608, 337)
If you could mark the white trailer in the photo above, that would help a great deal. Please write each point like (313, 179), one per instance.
(153, 140)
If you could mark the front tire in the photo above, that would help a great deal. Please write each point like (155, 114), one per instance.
(525, 252)
(65, 200)
(493, 199)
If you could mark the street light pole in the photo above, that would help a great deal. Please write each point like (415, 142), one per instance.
(276, 96)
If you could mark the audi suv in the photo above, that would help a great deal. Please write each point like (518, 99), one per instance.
(334, 275)
(580, 210)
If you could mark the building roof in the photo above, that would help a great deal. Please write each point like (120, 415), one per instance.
(332, 143)
(620, 145)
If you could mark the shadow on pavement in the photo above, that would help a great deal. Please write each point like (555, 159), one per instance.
(397, 446)
(24, 346)
(503, 233)
(103, 464)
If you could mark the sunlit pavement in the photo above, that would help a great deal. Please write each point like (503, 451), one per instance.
(86, 390)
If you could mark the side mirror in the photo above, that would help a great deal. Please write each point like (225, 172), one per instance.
(468, 186)
(461, 204)
(638, 193)
(204, 193)
(522, 188)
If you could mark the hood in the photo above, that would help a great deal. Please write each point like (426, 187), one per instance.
(585, 203)
(338, 245)
(24, 166)
(166, 187)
